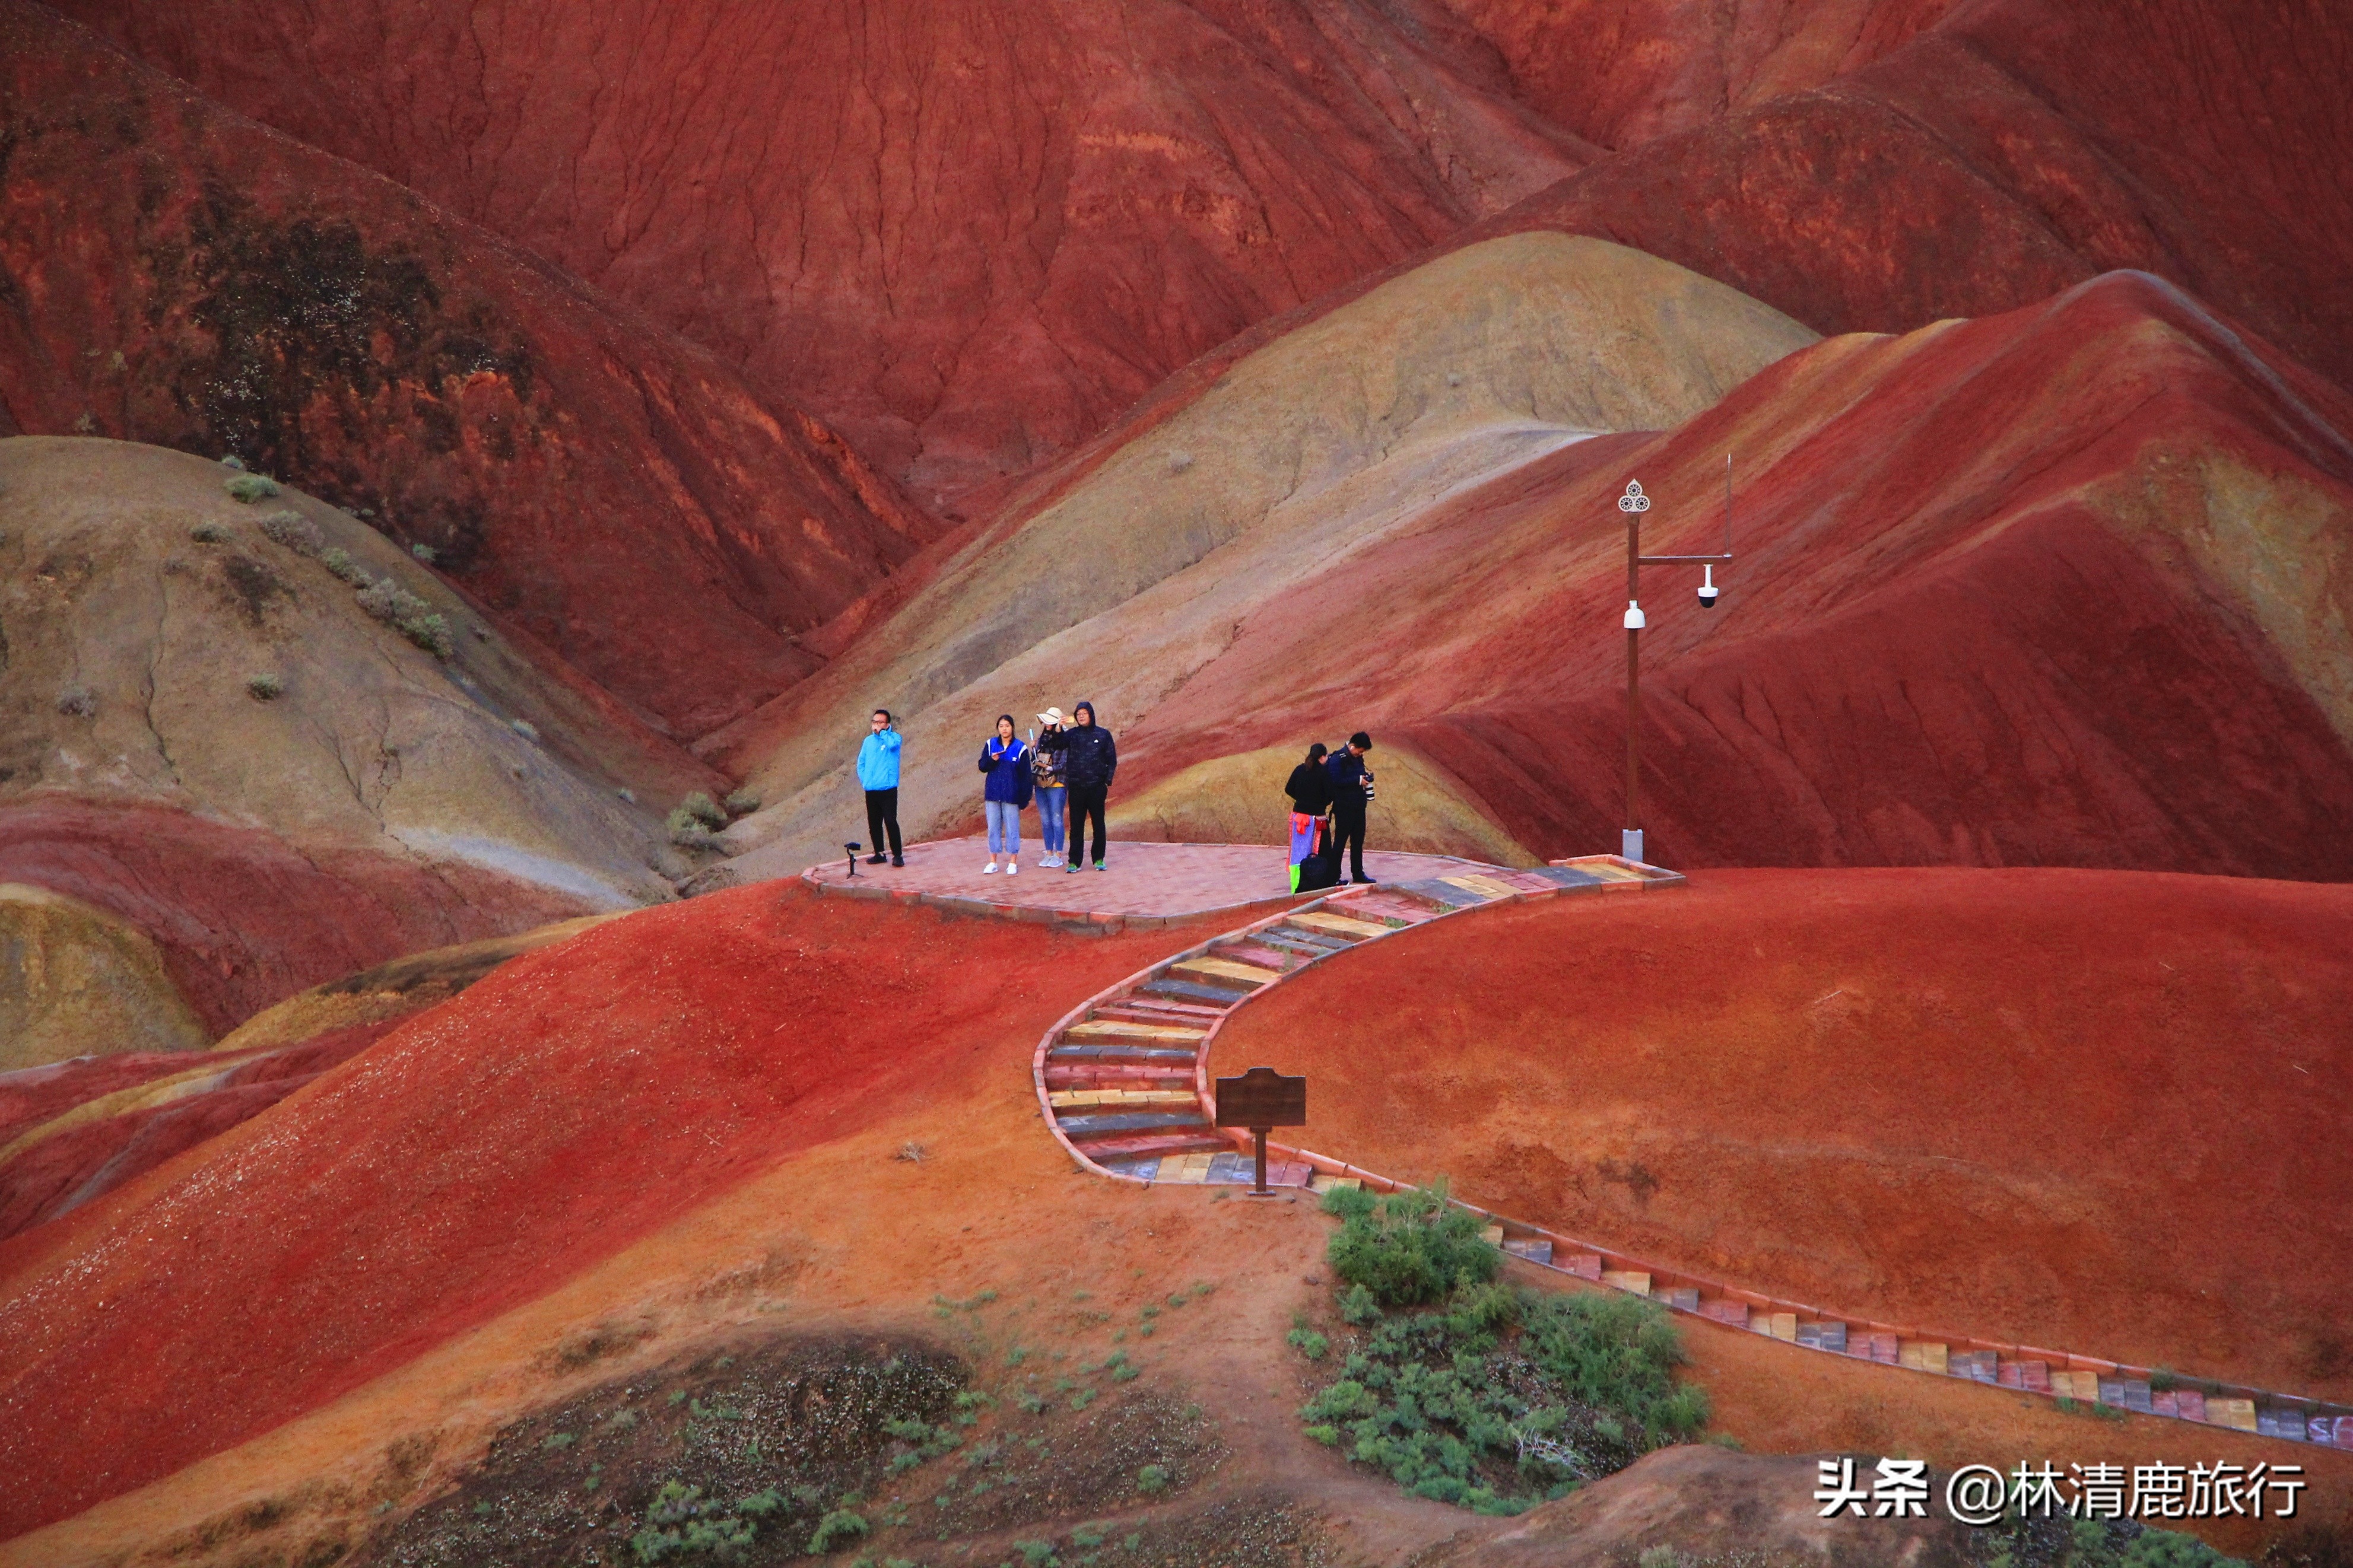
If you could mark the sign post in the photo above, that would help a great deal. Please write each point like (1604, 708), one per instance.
(1261, 1100)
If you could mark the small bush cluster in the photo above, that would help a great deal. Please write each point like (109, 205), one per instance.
(425, 552)
(250, 488)
(698, 817)
(1495, 1398)
(1409, 1249)
(414, 619)
(76, 702)
(264, 687)
(210, 533)
(339, 563)
(295, 531)
(681, 1520)
(2100, 1543)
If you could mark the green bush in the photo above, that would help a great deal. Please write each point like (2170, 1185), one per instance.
(1409, 1248)
(704, 809)
(425, 552)
(1504, 1396)
(249, 488)
(742, 803)
(1152, 1480)
(264, 687)
(414, 619)
(295, 531)
(338, 561)
(210, 533)
(687, 832)
(838, 1528)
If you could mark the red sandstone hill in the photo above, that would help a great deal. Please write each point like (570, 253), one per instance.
(178, 275)
(970, 236)
(487, 1150)
(966, 235)
(2016, 148)
(2066, 587)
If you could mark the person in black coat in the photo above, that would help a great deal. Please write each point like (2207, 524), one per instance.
(1352, 792)
(1093, 760)
(1310, 788)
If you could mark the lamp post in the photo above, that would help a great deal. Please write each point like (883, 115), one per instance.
(1634, 503)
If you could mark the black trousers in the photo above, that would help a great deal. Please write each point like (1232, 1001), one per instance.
(1348, 831)
(882, 815)
(1087, 804)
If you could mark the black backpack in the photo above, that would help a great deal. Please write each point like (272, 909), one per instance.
(1321, 869)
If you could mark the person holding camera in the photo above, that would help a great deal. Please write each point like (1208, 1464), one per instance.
(878, 775)
(1050, 771)
(1352, 792)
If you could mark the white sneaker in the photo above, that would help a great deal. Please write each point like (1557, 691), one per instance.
(1013, 867)
(989, 869)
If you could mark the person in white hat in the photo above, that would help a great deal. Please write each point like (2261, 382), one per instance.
(1049, 770)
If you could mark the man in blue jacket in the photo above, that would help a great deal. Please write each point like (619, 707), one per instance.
(1093, 759)
(878, 775)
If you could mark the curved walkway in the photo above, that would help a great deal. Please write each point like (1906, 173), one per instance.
(1123, 1081)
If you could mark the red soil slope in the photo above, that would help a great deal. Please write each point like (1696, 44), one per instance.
(2064, 586)
(2089, 1110)
(482, 1152)
(965, 235)
(2017, 148)
(180, 276)
(245, 918)
(66, 1168)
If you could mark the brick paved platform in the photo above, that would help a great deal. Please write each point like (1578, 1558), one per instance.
(1141, 882)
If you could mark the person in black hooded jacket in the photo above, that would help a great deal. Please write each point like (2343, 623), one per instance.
(1093, 760)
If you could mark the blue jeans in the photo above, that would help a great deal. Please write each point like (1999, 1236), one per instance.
(1004, 827)
(1051, 805)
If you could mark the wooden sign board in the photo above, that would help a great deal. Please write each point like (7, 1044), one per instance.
(1262, 1098)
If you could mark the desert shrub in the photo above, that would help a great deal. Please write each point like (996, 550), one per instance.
(425, 552)
(525, 727)
(704, 809)
(394, 606)
(1501, 1397)
(688, 831)
(838, 1528)
(742, 803)
(250, 488)
(295, 531)
(264, 687)
(338, 561)
(1409, 1248)
(232, 461)
(210, 533)
(1152, 1480)
(76, 702)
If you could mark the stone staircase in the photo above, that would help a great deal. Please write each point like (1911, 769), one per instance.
(1124, 1083)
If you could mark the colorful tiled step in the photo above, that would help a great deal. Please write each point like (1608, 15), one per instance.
(1191, 989)
(1282, 959)
(1114, 1029)
(1106, 1124)
(1485, 887)
(1159, 1143)
(1338, 925)
(1117, 1052)
(1252, 975)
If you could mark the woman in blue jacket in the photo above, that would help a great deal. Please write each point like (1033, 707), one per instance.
(1006, 760)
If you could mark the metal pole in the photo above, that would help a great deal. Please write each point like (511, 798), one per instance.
(1259, 1135)
(1634, 687)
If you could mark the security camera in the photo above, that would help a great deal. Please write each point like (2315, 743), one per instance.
(1707, 591)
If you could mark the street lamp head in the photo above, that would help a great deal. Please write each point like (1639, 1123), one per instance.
(1634, 621)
